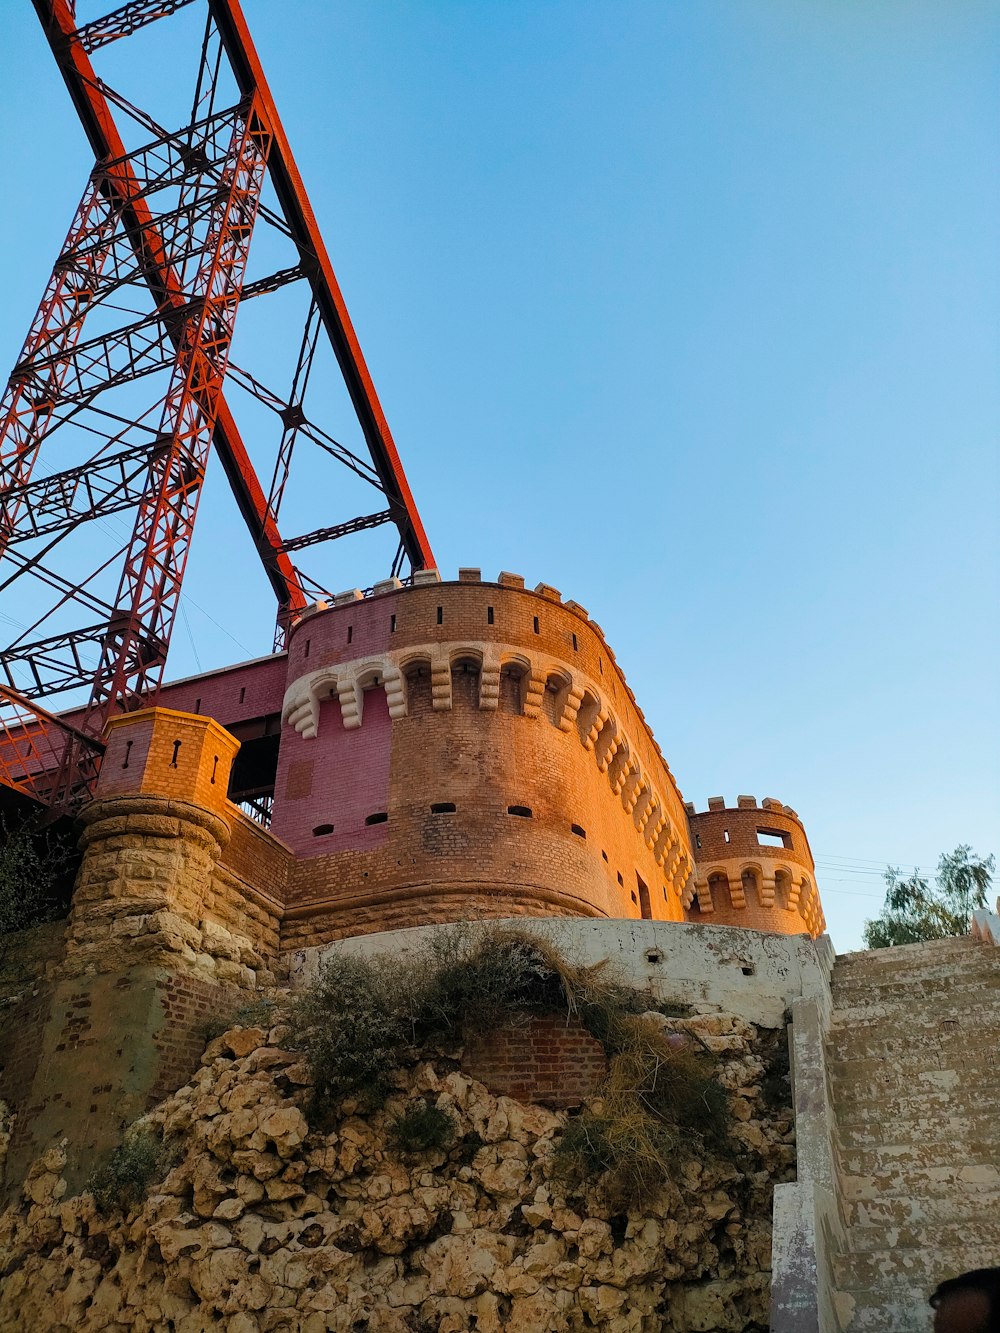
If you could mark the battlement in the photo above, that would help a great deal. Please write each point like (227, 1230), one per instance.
(485, 718)
(754, 866)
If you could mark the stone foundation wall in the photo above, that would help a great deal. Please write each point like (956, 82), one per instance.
(263, 1223)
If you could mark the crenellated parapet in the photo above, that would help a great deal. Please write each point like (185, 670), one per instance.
(753, 868)
(486, 719)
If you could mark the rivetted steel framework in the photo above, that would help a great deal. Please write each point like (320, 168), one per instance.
(119, 392)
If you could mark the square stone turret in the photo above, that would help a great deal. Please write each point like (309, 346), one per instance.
(160, 752)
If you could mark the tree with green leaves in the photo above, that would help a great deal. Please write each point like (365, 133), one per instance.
(915, 911)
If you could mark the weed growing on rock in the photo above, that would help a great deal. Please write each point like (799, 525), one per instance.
(423, 1126)
(124, 1180)
(353, 1027)
(660, 1101)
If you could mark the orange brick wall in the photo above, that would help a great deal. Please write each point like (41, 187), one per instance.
(750, 883)
(545, 1058)
(422, 866)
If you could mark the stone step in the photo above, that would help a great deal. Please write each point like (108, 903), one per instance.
(880, 1272)
(949, 1236)
(954, 946)
(916, 965)
(948, 1180)
(907, 1312)
(943, 984)
(913, 1073)
(959, 1045)
(966, 1207)
(878, 1130)
(928, 1153)
(855, 1104)
(972, 996)
(892, 991)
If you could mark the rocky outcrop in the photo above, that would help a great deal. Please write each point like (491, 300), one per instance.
(264, 1223)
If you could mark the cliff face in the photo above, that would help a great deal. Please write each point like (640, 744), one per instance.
(261, 1223)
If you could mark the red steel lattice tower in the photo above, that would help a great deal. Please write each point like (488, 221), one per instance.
(120, 392)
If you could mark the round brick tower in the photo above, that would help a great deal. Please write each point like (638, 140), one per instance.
(754, 868)
(451, 750)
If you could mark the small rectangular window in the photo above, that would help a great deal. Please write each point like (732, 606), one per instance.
(771, 837)
(243, 693)
(574, 643)
(350, 633)
(489, 615)
(440, 615)
(725, 835)
(308, 646)
(392, 624)
(537, 631)
(443, 808)
(197, 705)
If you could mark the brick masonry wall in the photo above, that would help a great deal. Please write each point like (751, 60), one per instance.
(543, 1058)
(218, 694)
(94, 1052)
(188, 1003)
(734, 866)
(404, 871)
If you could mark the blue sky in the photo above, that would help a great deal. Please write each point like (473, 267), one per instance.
(689, 309)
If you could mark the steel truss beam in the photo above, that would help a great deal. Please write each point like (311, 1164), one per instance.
(171, 220)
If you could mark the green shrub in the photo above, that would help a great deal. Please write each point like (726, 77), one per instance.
(620, 1151)
(124, 1180)
(353, 1031)
(423, 1126)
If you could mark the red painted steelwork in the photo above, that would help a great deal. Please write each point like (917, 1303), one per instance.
(191, 255)
(298, 212)
(95, 115)
(44, 757)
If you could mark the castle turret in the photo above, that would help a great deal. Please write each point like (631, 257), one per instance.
(455, 750)
(753, 868)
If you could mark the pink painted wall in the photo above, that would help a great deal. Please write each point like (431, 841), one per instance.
(340, 777)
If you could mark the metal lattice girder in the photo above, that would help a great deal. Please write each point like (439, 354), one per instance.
(42, 756)
(118, 392)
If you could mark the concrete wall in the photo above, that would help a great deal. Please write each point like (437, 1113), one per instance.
(754, 975)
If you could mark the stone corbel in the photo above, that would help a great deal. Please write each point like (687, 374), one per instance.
(489, 683)
(571, 708)
(440, 682)
(704, 892)
(534, 694)
(300, 708)
(590, 740)
(609, 746)
(351, 702)
(737, 896)
(767, 888)
(395, 690)
(794, 889)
